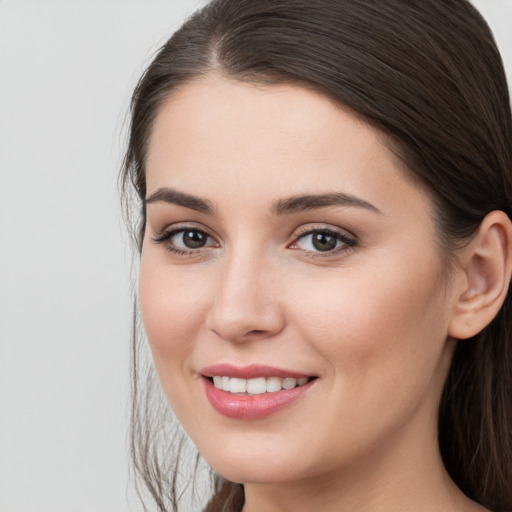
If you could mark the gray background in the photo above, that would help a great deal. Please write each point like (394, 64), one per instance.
(66, 72)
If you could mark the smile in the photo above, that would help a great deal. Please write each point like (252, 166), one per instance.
(253, 392)
(258, 385)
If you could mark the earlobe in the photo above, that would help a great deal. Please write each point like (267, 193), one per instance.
(487, 267)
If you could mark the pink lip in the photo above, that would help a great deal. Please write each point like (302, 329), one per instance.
(249, 372)
(251, 407)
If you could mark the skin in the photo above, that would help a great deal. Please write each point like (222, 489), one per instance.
(371, 320)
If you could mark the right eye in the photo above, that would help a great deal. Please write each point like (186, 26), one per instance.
(185, 240)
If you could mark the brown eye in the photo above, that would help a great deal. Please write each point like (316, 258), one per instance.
(193, 239)
(323, 242)
(185, 240)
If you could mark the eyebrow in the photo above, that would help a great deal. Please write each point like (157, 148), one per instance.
(301, 203)
(172, 196)
(283, 206)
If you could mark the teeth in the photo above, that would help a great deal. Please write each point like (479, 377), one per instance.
(289, 383)
(274, 384)
(257, 386)
(237, 385)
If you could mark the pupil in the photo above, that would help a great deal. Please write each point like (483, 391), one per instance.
(323, 242)
(194, 239)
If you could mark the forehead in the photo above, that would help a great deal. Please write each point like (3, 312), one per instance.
(217, 136)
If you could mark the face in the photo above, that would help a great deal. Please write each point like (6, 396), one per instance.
(288, 259)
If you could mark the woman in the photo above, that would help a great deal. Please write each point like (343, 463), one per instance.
(326, 253)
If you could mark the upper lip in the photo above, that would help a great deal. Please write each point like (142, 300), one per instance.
(250, 372)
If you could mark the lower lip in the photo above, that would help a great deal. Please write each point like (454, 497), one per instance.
(252, 407)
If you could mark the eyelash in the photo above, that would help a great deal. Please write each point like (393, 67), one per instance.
(167, 235)
(348, 242)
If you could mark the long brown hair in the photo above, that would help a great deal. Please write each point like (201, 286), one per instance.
(425, 73)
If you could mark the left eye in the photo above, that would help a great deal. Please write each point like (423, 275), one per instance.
(322, 241)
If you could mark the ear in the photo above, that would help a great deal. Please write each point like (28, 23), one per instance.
(486, 265)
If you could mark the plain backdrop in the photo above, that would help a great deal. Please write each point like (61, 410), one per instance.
(67, 69)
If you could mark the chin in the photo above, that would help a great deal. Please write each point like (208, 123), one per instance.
(261, 471)
(256, 460)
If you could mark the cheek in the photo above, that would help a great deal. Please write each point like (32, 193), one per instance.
(377, 327)
(382, 338)
(173, 304)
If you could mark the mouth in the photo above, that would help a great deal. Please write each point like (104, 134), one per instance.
(258, 385)
(253, 392)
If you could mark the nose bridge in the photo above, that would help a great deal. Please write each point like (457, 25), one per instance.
(245, 305)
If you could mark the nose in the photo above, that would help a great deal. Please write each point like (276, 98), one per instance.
(247, 305)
